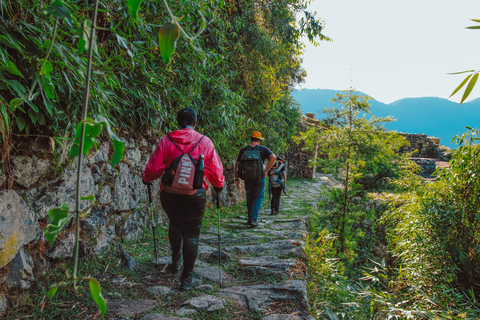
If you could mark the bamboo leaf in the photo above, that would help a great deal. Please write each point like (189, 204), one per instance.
(461, 72)
(58, 9)
(47, 68)
(84, 34)
(473, 27)
(15, 103)
(461, 85)
(12, 68)
(20, 123)
(51, 292)
(167, 40)
(96, 291)
(469, 88)
(133, 6)
(90, 197)
(48, 86)
(118, 145)
(59, 217)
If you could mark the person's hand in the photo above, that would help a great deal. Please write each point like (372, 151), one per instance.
(218, 190)
(237, 183)
(265, 174)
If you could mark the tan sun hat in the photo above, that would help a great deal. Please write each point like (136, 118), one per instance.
(257, 135)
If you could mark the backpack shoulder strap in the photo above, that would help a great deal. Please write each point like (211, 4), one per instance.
(196, 144)
(175, 144)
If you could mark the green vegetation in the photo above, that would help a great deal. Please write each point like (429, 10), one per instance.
(410, 250)
(238, 74)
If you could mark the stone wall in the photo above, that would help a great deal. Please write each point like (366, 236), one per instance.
(422, 146)
(30, 188)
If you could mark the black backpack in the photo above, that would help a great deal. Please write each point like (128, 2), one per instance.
(251, 165)
(181, 173)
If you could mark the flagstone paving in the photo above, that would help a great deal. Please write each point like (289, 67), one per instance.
(262, 271)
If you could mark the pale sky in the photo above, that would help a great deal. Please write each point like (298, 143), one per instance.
(394, 49)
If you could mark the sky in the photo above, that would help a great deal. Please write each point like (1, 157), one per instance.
(394, 49)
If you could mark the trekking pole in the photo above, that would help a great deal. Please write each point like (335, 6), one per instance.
(153, 222)
(219, 241)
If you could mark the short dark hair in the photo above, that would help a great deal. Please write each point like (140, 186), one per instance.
(186, 117)
(252, 139)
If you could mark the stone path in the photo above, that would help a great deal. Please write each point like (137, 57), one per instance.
(263, 274)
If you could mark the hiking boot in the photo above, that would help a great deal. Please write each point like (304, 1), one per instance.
(254, 223)
(190, 281)
(176, 264)
(249, 222)
(285, 192)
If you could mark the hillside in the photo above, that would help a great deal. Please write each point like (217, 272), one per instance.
(429, 115)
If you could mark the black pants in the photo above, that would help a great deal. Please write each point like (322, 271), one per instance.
(275, 203)
(185, 213)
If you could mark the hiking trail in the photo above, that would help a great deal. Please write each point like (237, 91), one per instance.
(263, 271)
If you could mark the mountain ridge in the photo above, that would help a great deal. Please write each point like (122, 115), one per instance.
(433, 116)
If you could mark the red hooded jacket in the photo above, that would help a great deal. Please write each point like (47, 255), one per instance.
(166, 152)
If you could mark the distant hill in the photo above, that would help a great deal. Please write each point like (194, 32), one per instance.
(435, 117)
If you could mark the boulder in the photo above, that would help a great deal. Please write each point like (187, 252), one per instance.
(20, 275)
(26, 171)
(18, 225)
(257, 297)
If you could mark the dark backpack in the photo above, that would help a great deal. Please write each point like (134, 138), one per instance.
(181, 172)
(251, 165)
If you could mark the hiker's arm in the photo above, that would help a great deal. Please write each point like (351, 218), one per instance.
(156, 164)
(214, 169)
(271, 161)
(237, 182)
(284, 173)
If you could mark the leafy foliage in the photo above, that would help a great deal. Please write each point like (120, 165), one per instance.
(237, 75)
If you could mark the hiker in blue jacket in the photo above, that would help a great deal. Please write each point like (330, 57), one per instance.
(276, 184)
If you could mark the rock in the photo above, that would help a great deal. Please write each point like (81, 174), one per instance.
(211, 253)
(132, 226)
(121, 282)
(303, 316)
(134, 155)
(161, 317)
(129, 307)
(206, 302)
(26, 171)
(293, 225)
(97, 174)
(128, 261)
(18, 225)
(267, 262)
(3, 304)
(62, 190)
(104, 239)
(159, 291)
(101, 155)
(258, 296)
(184, 311)
(62, 248)
(129, 189)
(98, 230)
(211, 273)
(105, 195)
(283, 247)
(20, 275)
(204, 287)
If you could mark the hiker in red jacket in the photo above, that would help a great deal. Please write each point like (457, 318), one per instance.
(184, 205)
